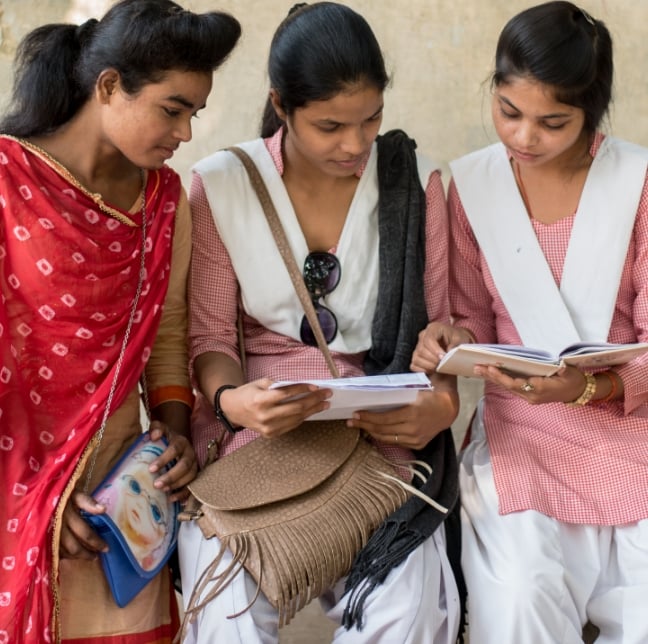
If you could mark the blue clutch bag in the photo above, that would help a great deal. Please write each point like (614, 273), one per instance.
(140, 524)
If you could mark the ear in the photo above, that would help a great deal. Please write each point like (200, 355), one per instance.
(107, 84)
(275, 100)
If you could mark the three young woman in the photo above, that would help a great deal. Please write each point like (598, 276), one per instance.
(549, 246)
(94, 254)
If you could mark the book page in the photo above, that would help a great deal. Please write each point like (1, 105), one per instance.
(517, 361)
(587, 356)
(371, 393)
(527, 361)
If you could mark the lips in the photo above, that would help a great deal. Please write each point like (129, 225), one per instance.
(168, 151)
(353, 163)
(524, 156)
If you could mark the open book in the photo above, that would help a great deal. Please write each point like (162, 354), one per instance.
(525, 361)
(371, 393)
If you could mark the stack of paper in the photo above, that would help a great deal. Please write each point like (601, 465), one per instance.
(371, 393)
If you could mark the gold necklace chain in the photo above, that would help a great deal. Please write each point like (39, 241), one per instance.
(68, 176)
(120, 358)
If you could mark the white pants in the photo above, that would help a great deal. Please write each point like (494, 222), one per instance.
(417, 604)
(534, 580)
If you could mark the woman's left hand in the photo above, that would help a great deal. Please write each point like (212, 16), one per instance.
(564, 386)
(184, 469)
(414, 425)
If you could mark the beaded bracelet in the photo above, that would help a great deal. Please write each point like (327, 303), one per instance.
(588, 393)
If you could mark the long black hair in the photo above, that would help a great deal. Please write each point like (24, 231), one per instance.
(317, 51)
(560, 45)
(57, 65)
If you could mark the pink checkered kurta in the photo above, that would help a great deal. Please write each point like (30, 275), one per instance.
(579, 465)
(214, 310)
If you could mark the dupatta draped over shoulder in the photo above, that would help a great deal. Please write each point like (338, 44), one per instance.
(69, 270)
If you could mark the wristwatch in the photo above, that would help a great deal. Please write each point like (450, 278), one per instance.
(220, 414)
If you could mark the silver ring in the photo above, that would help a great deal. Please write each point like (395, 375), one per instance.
(527, 387)
(396, 438)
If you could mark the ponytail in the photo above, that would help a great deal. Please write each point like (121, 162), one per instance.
(45, 92)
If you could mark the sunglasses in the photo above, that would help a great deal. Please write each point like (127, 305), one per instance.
(322, 272)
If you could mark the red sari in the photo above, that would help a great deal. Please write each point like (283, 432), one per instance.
(69, 269)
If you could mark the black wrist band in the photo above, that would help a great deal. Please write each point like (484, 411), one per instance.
(220, 414)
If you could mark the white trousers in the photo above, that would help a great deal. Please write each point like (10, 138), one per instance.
(534, 580)
(417, 604)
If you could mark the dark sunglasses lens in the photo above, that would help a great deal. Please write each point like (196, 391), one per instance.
(327, 321)
(321, 273)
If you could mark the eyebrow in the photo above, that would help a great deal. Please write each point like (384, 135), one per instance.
(178, 98)
(557, 115)
(329, 120)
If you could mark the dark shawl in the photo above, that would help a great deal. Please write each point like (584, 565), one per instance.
(400, 316)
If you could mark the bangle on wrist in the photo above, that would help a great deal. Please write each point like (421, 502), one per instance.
(220, 414)
(614, 387)
(588, 392)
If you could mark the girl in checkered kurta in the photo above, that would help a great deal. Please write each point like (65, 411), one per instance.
(319, 157)
(550, 245)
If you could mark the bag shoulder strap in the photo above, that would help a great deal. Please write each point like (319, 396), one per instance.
(284, 248)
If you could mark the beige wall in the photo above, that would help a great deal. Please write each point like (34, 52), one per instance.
(439, 53)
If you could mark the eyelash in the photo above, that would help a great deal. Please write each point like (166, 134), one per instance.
(173, 114)
(508, 115)
(335, 126)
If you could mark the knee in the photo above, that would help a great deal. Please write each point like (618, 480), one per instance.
(521, 592)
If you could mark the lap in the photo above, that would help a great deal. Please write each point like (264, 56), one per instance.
(533, 578)
(418, 601)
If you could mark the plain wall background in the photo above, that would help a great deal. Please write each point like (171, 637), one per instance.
(439, 53)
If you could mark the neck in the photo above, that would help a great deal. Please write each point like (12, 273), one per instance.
(77, 146)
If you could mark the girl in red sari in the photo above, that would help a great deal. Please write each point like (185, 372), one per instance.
(84, 191)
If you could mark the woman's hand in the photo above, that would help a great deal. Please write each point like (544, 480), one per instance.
(564, 386)
(78, 539)
(433, 343)
(414, 425)
(181, 454)
(272, 412)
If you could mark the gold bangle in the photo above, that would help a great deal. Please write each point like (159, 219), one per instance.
(588, 392)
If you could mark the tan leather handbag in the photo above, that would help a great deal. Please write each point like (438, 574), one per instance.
(294, 511)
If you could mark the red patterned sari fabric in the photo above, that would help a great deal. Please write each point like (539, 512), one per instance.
(68, 277)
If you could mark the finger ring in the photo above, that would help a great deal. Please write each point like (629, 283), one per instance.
(527, 387)
(396, 438)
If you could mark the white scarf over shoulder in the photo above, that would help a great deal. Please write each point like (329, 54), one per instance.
(268, 294)
(545, 315)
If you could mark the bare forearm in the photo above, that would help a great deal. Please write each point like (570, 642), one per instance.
(176, 415)
(216, 369)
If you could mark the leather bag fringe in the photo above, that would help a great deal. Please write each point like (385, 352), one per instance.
(296, 514)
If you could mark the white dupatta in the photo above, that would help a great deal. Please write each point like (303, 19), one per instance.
(581, 308)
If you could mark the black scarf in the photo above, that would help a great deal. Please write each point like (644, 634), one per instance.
(400, 308)
(400, 316)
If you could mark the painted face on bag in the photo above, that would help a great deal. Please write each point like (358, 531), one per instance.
(535, 127)
(335, 136)
(148, 127)
(142, 515)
